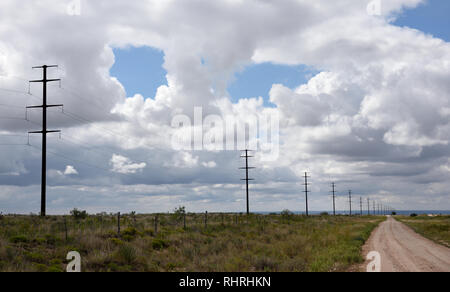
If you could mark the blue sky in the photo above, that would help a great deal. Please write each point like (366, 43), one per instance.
(432, 18)
(140, 69)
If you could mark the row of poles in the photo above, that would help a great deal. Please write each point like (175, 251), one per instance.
(246, 153)
(378, 208)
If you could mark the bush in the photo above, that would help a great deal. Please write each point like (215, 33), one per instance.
(19, 239)
(127, 254)
(286, 214)
(159, 244)
(413, 215)
(78, 215)
(178, 213)
(130, 231)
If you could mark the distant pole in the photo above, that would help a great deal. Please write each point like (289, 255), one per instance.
(374, 208)
(306, 191)
(118, 224)
(44, 132)
(361, 205)
(350, 201)
(333, 185)
(368, 206)
(247, 179)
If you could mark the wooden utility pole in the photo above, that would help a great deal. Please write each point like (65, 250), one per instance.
(361, 205)
(247, 179)
(350, 201)
(306, 191)
(333, 185)
(44, 131)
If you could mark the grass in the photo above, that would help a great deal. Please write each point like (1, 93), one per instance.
(435, 228)
(230, 243)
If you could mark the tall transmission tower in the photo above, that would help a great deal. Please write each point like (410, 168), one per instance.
(247, 179)
(44, 130)
(333, 185)
(306, 191)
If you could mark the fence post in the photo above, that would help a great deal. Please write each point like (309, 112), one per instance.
(118, 224)
(156, 224)
(184, 221)
(206, 219)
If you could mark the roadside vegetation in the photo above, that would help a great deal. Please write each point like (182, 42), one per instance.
(184, 242)
(436, 228)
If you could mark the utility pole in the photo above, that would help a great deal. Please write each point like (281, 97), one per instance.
(247, 179)
(333, 185)
(361, 205)
(368, 206)
(306, 191)
(44, 131)
(350, 201)
(374, 208)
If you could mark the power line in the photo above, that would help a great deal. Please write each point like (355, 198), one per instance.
(71, 159)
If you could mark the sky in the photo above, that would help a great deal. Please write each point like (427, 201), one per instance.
(360, 99)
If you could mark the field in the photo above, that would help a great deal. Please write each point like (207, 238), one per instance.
(435, 228)
(178, 242)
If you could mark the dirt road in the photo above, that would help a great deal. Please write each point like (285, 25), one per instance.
(403, 250)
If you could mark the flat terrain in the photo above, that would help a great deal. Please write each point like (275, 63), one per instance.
(222, 243)
(436, 228)
(404, 250)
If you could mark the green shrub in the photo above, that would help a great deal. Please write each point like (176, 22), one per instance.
(127, 254)
(34, 257)
(78, 215)
(159, 244)
(55, 269)
(19, 239)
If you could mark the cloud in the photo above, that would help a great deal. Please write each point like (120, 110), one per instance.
(210, 164)
(377, 109)
(70, 170)
(124, 165)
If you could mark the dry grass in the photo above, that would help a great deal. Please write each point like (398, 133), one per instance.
(435, 228)
(259, 243)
